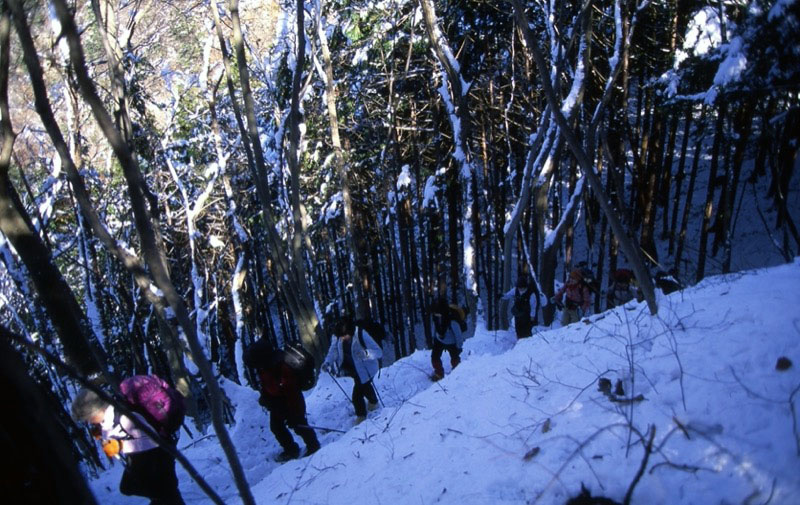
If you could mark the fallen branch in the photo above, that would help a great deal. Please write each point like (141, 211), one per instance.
(648, 449)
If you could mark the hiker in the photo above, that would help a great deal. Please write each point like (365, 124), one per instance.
(282, 396)
(577, 301)
(622, 290)
(521, 307)
(149, 468)
(354, 353)
(448, 334)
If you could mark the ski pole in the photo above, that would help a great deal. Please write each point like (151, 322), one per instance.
(320, 428)
(383, 405)
(340, 386)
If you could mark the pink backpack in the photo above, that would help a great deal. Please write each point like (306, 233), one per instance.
(161, 404)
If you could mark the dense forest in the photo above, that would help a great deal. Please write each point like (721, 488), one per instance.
(181, 178)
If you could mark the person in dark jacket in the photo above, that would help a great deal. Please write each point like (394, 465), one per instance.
(622, 290)
(149, 468)
(521, 307)
(354, 353)
(283, 398)
(447, 336)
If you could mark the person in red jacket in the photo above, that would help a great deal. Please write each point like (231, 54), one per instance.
(282, 396)
(577, 298)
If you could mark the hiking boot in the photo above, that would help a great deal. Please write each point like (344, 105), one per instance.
(311, 448)
(288, 454)
(437, 376)
(360, 419)
(372, 406)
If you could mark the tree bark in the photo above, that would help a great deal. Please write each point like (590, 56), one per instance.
(627, 243)
(148, 239)
(712, 185)
(289, 276)
(65, 312)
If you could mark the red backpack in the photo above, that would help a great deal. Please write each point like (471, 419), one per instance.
(160, 404)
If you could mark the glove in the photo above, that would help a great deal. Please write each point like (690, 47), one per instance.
(96, 431)
(112, 447)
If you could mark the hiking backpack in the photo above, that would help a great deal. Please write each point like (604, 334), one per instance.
(160, 404)
(302, 363)
(259, 353)
(589, 280)
(459, 315)
(623, 275)
(375, 330)
(522, 304)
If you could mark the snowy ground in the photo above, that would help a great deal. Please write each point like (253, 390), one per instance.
(524, 422)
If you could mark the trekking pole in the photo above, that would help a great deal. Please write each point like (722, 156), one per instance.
(340, 386)
(320, 428)
(383, 405)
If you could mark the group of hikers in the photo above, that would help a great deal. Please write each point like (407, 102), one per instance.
(576, 295)
(354, 352)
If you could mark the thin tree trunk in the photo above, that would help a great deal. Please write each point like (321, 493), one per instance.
(666, 174)
(743, 128)
(148, 240)
(467, 175)
(680, 175)
(627, 243)
(65, 312)
(687, 206)
(712, 185)
(289, 276)
(339, 164)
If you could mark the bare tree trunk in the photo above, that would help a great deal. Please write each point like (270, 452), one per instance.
(295, 289)
(666, 174)
(340, 164)
(742, 129)
(712, 185)
(680, 175)
(65, 312)
(106, 21)
(783, 172)
(467, 175)
(44, 468)
(690, 189)
(653, 168)
(627, 242)
(148, 240)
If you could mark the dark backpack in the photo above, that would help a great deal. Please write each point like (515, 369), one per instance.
(522, 303)
(302, 362)
(160, 404)
(375, 330)
(623, 275)
(258, 354)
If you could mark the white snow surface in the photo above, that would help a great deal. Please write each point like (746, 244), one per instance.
(523, 422)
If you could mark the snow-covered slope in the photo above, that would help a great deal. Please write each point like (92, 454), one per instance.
(524, 422)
